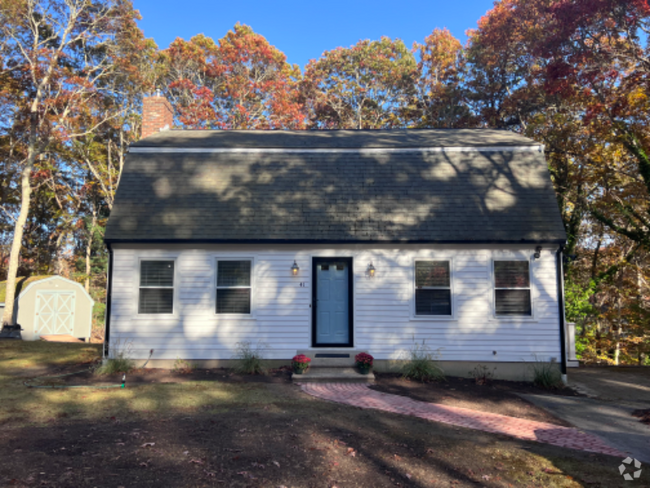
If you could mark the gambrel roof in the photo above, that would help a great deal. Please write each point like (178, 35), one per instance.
(438, 186)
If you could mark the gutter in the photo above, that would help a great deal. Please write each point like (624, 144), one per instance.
(560, 304)
(337, 241)
(109, 300)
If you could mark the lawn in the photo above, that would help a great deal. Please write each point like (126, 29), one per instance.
(224, 432)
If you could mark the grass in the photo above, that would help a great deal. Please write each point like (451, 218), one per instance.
(205, 431)
(421, 364)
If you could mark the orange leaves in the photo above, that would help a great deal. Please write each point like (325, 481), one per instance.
(241, 82)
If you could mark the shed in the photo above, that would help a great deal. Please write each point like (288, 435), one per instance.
(53, 306)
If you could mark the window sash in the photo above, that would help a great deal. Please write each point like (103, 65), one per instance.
(501, 307)
(220, 307)
(149, 302)
(419, 305)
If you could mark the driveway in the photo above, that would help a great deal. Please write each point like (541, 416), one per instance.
(614, 393)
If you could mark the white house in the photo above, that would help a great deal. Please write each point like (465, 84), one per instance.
(331, 242)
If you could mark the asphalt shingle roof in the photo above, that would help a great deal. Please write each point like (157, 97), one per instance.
(350, 196)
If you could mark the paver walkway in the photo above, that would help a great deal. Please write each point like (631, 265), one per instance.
(362, 396)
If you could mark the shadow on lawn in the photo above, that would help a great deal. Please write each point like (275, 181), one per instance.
(272, 435)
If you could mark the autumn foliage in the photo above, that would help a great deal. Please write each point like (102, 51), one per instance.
(572, 74)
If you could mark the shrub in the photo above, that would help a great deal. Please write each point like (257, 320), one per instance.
(422, 365)
(482, 375)
(182, 366)
(547, 375)
(249, 358)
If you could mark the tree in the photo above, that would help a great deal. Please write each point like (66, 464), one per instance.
(440, 98)
(241, 82)
(55, 57)
(366, 86)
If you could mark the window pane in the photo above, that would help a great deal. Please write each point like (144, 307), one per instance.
(513, 302)
(432, 302)
(156, 273)
(234, 300)
(431, 273)
(234, 273)
(511, 274)
(156, 300)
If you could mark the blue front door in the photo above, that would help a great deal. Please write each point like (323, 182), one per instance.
(332, 292)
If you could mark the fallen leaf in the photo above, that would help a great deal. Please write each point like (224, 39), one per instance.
(408, 476)
(196, 461)
(276, 463)
(148, 444)
(486, 477)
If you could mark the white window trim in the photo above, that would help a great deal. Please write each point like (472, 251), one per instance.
(533, 289)
(174, 287)
(215, 270)
(452, 272)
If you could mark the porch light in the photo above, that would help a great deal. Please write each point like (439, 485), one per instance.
(538, 252)
(295, 268)
(371, 270)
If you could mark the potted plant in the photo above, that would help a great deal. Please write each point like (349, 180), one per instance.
(364, 361)
(300, 363)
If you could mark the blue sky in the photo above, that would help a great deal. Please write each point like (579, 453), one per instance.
(304, 29)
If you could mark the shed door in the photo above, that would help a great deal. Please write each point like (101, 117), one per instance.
(54, 313)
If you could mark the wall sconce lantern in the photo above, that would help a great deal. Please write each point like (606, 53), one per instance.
(371, 270)
(295, 268)
(538, 252)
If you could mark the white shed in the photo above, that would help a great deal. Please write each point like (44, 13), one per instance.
(54, 306)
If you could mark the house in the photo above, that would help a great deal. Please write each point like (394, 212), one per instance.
(51, 306)
(333, 242)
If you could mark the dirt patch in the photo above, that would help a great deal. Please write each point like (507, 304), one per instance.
(642, 415)
(496, 397)
(307, 443)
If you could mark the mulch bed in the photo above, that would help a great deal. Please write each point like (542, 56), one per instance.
(496, 397)
(642, 415)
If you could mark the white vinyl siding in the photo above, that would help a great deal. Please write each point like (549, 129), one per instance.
(384, 322)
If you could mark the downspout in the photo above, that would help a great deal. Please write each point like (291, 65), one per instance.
(560, 304)
(109, 293)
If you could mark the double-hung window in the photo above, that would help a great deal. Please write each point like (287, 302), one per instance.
(156, 294)
(512, 291)
(234, 287)
(432, 288)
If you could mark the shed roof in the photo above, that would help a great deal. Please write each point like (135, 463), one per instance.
(473, 192)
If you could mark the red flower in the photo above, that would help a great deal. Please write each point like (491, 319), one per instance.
(301, 359)
(364, 359)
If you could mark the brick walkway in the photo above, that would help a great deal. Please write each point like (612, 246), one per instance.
(359, 395)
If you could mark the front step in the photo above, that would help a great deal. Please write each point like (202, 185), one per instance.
(332, 375)
(331, 357)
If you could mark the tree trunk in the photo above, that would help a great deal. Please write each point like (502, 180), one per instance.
(89, 247)
(16, 245)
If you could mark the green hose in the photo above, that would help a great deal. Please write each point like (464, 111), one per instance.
(103, 387)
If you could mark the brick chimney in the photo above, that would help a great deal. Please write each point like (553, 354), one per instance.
(157, 114)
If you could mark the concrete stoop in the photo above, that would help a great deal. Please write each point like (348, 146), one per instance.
(332, 375)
